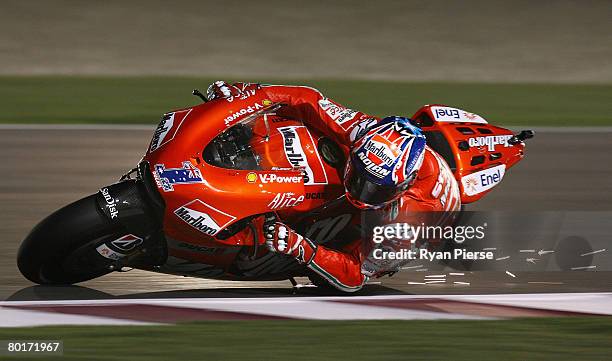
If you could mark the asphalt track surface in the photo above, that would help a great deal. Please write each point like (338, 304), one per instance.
(44, 169)
(478, 40)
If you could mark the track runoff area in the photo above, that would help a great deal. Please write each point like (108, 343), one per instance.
(418, 292)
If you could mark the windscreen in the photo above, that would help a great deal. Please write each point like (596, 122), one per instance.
(251, 144)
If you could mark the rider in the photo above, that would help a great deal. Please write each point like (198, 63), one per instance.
(389, 168)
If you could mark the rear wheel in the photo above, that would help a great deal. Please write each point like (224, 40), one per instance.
(61, 248)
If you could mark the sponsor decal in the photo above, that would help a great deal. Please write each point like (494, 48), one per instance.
(361, 128)
(446, 189)
(380, 151)
(316, 195)
(274, 178)
(483, 180)
(341, 115)
(285, 200)
(448, 114)
(200, 249)
(244, 94)
(385, 148)
(166, 179)
(295, 140)
(127, 243)
(167, 128)
(203, 217)
(106, 252)
(403, 166)
(251, 177)
(111, 203)
(372, 167)
(242, 112)
(490, 141)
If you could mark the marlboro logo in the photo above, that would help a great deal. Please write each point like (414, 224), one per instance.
(203, 217)
(167, 128)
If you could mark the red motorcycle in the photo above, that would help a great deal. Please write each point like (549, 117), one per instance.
(210, 170)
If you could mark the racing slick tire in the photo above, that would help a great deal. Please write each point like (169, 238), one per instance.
(60, 250)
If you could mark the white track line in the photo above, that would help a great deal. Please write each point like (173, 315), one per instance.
(25, 318)
(314, 307)
(178, 301)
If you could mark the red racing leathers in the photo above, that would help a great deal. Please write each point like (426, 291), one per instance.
(434, 190)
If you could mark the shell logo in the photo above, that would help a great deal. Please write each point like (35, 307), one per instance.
(251, 177)
(266, 102)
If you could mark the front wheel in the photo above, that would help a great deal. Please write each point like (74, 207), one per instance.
(59, 250)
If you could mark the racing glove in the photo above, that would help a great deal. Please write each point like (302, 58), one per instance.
(280, 238)
(221, 89)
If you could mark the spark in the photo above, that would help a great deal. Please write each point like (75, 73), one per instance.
(585, 267)
(510, 274)
(502, 258)
(456, 273)
(546, 283)
(490, 249)
(374, 283)
(531, 260)
(421, 270)
(436, 281)
(416, 283)
(434, 276)
(541, 252)
(527, 250)
(461, 283)
(598, 251)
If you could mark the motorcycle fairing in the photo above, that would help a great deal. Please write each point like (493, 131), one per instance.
(275, 166)
(478, 153)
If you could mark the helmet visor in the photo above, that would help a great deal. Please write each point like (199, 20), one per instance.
(364, 190)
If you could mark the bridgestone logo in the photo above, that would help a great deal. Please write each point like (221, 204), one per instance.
(198, 220)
